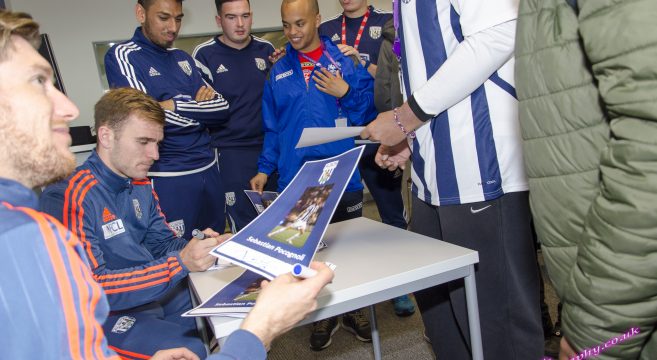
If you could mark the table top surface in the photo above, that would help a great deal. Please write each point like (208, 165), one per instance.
(371, 257)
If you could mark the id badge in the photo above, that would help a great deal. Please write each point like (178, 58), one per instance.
(341, 121)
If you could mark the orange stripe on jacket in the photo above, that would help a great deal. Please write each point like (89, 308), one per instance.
(143, 286)
(86, 310)
(138, 272)
(142, 182)
(80, 223)
(88, 282)
(61, 277)
(159, 209)
(162, 276)
(134, 355)
(159, 274)
(84, 279)
(71, 208)
(173, 270)
(67, 195)
(71, 204)
(83, 235)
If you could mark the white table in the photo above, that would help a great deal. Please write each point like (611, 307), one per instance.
(375, 262)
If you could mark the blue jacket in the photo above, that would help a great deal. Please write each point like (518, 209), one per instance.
(169, 74)
(51, 307)
(134, 255)
(370, 40)
(49, 294)
(238, 74)
(289, 106)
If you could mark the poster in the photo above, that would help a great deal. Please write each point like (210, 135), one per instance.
(235, 299)
(289, 231)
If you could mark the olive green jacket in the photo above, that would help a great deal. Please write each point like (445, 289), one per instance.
(587, 91)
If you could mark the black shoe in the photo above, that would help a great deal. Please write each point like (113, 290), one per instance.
(356, 323)
(323, 330)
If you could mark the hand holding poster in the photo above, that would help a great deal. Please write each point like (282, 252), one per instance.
(289, 230)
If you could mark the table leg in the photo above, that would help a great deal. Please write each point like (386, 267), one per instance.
(376, 342)
(473, 315)
(200, 324)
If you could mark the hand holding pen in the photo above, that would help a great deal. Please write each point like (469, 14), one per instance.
(196, 254)
(198, 234)
(303, 272)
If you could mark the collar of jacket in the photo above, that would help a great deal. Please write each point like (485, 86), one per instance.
(293, 55)
(105, 176)
(226, 46)
(145, 43)
(17, 194)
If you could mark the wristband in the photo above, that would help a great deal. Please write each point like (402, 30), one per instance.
(345, 94)
(367, 64)
(409, 134)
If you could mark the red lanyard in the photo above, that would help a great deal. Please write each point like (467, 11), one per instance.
(360, 30)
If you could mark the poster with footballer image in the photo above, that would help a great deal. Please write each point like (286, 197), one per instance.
(235, 299)
(289, 231)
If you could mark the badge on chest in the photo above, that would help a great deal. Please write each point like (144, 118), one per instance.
(186, 67)
(137, 207)
(113, 228)
(261, 64)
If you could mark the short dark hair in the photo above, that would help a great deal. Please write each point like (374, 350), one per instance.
(116, 105)
(219, 3)
(147, 3)
(314, 6)
(19, 24)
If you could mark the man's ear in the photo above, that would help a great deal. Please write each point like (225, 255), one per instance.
(318, 20)
(140, 14)
(105, 137)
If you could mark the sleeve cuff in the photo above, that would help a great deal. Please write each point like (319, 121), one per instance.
(182, 265)
(417, 110)
(242, 344)
(266, 170)
(347, 93)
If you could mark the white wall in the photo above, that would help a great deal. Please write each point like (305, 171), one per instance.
(73, 25)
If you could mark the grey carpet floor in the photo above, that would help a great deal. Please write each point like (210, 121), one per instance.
(401, 338)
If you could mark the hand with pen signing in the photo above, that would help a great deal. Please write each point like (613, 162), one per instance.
(196, 254)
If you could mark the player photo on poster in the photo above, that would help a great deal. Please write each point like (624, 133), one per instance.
(289, 231)
(299, 222)
(250, 293)
(234, 300)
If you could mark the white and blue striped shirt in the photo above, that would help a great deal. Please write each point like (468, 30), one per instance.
(471, 151)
